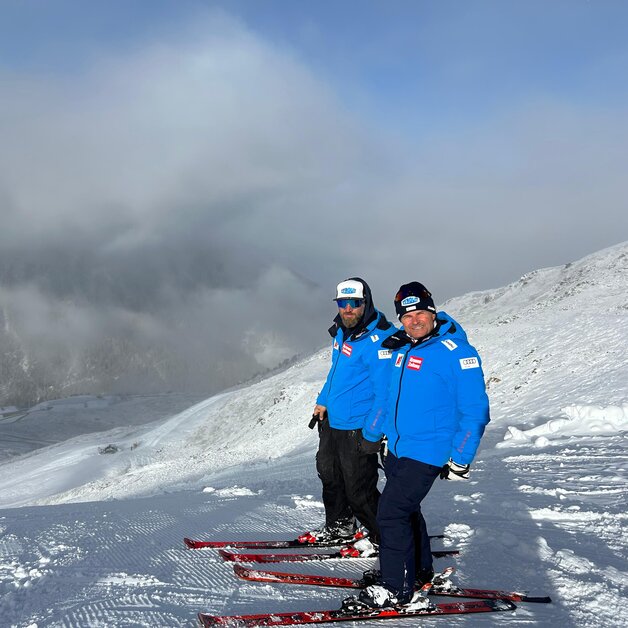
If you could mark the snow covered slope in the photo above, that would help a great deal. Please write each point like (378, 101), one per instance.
(545, 509)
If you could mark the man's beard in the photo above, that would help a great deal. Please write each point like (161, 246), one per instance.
(351, 322)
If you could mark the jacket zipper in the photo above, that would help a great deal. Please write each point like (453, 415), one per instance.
(403, 368)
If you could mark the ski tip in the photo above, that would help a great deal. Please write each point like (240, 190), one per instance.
(544, 599)
(189, 543)
(228, 556)
(241, 571)
(207, 620)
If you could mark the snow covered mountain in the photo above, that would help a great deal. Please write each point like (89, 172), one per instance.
(545, 509)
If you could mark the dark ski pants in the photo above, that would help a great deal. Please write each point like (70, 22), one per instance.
(349, 478)
(405, 544)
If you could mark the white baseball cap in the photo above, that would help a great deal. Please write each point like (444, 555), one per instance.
(349, 289)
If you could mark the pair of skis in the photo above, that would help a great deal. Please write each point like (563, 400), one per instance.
(352, 609)
(441, 584)
(244, 557)
(355, 610)
(193, 544)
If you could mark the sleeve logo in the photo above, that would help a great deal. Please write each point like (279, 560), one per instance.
(469, 363)
(415, 363)
(384, 354)
(347, 349)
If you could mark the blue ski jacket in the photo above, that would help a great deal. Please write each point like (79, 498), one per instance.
(356, 386)
(437, 404)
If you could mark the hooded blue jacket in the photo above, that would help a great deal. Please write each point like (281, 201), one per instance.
(437, 404)
(357, 383)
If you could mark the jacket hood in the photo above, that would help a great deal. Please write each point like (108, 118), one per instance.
(370, 314)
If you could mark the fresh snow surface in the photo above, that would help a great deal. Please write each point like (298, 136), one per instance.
(95, 539)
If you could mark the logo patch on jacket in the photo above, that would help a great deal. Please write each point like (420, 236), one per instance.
(414, 363)
(450, 344)
(347, 349)
(336, 345)
(384, 354)
(469, 363)
(399, 360)
(374, 337)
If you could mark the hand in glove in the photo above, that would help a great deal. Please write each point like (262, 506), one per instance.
(369, 446)
(454, 471)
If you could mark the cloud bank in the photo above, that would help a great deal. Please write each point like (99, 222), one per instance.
(178, 216)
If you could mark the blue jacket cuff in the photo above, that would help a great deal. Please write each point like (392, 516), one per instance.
(370, 436)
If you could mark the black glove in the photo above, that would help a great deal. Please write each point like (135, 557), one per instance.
(454, 471)
(316, 419)
(368, 446)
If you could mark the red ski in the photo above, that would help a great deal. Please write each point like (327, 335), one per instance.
(236, 557)
(353, 614)
(195, 544)
(441, 586)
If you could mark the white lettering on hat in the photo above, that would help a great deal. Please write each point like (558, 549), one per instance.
(410, 301)
(469, 363)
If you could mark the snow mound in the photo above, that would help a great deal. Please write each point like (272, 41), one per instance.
(581, 420)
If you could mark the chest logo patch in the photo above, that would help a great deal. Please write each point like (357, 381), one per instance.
(469, 363)
(347, 349)
(374, 337)
(336, 345)
(384, 354)
(450, 344)
(399, 360)
(415, 363)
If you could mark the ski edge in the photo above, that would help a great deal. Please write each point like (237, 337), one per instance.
(245, 557)
(279, 544)
(282, 577)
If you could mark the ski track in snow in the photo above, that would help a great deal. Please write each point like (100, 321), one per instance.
(96, 540)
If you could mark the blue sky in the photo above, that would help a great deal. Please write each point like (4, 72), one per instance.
(451, 58)
(186, 152)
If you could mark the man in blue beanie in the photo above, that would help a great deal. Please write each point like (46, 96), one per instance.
(436, 413)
